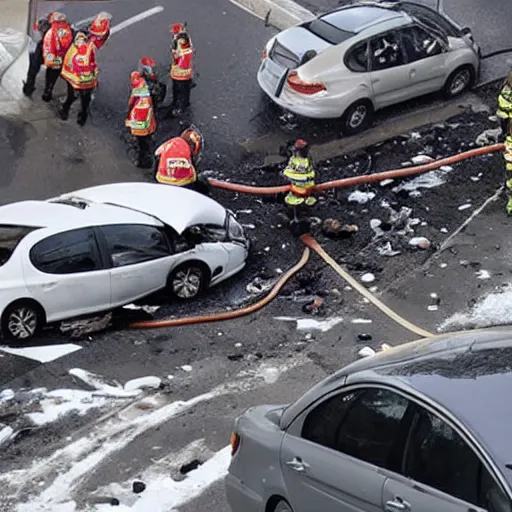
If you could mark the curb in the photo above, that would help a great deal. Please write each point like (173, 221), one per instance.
(280, 14)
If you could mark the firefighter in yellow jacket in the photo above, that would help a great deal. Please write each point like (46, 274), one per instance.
(504, 111)
(301, 173)
(508, 168)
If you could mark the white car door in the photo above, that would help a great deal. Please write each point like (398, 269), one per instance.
(141, 258)
(65, 274)
(426, 57)
(390, 75)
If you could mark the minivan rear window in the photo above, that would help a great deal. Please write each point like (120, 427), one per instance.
(327, 32)
(10, 237)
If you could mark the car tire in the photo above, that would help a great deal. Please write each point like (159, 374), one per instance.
(460, 81)
(187, 281)
(283, 506)
(357, 117)
(22, 320)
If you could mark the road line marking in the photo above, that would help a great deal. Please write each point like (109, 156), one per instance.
(135, 19)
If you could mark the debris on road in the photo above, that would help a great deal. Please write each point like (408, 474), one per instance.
(368, 278)
(79, 328)
(464, 207)
(420, 242)
(332, 228)
(142, 383)
(490, 136)
(308, 324)
(360, 197)
(260, 285)
(387, 250)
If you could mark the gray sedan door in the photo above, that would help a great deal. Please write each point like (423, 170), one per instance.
(330, 456)
(440, 472)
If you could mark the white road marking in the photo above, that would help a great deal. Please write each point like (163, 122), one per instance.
(43, 354)
(135, 19)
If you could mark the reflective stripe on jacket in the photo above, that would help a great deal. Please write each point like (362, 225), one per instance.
(505, 102)
(141, 119)
(181, 68)
(175, 166)
(80, 68)
(56, 43)
(300, 172)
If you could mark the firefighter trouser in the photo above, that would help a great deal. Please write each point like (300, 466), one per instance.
(144, 148)
(51, 77)
(181, 93)
(85, 101)
(35, 60)
(508, 184)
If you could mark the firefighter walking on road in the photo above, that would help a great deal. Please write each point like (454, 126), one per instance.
(301, 174)
(56, 42)
(508, 169)
(182, 71)
(504, 111)
(80, 71)
(177, 159)
(141, 118)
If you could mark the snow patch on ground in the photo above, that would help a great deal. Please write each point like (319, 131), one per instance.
(60, 402)
(101, 387)
(430, 179)
(310, 324)
(44, 353)
(491, 310)
(360, 197)
(163, 494)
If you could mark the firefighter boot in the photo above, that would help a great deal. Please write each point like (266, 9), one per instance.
(64, 111)
(47, 95)
(28, 89)
(81, 118)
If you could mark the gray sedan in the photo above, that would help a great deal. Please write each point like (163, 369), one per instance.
(424, 427)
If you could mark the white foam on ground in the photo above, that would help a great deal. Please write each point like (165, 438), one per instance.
(430, 179)
(493, 309)
(360, 197)
(43, 354)
(310, 324)
(103, 388)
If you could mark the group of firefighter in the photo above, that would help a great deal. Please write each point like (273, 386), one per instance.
(70, 53)
(504, 113)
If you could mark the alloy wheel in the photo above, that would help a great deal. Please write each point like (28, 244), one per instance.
(22, 323)
(358, 116)
(460, 81)
(186, 283)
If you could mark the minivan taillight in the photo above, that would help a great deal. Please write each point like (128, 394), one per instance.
(235, 443)
(264, 53)
(302, 87)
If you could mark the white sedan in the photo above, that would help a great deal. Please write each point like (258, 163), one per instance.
(103, 247)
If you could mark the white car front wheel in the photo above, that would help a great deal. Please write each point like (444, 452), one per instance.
(22, 320)
(187, 281)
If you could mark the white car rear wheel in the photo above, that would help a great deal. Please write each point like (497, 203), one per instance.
(22, 320)
(187, 281)
(357, 117)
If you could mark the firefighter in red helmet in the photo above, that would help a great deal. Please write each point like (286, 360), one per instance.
(301, 173)
(99, 30)
(141, 117)
(177, 159)
(182, 71)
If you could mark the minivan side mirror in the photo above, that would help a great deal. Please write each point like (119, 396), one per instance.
(466, 31)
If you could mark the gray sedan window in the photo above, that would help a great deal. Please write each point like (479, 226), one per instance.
(386, 51)
(365, 424)
(418, 44)
(437, 456)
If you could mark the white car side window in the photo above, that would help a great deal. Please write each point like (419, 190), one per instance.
(386, 51)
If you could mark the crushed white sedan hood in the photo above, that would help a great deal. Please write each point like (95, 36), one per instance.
(175, 206)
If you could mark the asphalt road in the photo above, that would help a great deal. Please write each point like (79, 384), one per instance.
(226, 104)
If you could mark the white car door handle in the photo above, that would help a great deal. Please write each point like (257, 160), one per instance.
(375, 80)
(398, 505)
(297, 465)
(49, 286)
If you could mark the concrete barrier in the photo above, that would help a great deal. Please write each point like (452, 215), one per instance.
(280, 14)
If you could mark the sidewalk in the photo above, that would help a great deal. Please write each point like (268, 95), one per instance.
(13, 55)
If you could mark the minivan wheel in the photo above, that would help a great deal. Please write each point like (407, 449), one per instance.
(283, 506)
(187, 281)
(22, 320)
(459, 81)
(357, 117)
